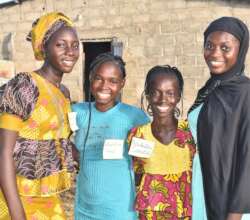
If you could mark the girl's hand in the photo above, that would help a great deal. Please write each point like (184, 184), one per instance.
(234, 216)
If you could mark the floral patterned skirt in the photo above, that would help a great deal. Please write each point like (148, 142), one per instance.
(165, 194)
(151, 215)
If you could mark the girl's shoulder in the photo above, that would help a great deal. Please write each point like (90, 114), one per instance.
(140, 130)
(127, 107)
(183, 124)
(80, 107)
(134, 113)
(19, 95)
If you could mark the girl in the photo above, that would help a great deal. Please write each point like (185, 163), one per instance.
(104, 186)
(36, 156)
(164, 177)
(220, 121)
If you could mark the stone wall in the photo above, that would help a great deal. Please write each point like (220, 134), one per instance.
(152, 31)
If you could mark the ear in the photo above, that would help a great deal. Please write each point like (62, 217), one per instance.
(123, 82)
(43, 49)
(179, 98)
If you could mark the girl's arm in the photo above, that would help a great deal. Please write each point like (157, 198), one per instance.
(8, 175)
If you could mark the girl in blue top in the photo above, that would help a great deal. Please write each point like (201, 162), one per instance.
(105, 184)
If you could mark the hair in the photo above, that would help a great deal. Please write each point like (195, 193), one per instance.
(107, 57)
(158, 70)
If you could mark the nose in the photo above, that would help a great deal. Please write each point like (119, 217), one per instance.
(105, 84)
(70, 51)
(163, 98)
(216, 52)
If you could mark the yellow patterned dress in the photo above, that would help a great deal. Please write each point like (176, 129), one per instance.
(164, 192)
(43, 153)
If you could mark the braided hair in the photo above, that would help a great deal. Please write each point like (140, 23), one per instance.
(107, 57)
(158, 70)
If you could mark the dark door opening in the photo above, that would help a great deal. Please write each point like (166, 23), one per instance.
(91, 51)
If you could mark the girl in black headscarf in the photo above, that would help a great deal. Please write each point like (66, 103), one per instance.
(220, 120)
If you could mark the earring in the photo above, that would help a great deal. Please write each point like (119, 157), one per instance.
(177, 112)
(149, 109)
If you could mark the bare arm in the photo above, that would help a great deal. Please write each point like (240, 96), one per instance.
(234, 216)
(8, 175)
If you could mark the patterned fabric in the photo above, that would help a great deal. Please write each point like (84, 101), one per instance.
(165, 187)
(42, 154)
(37, 208)
(151, 215)
(43, 28)
(47, 162)
(19, 96)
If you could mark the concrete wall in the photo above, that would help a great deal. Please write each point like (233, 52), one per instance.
(152, 31)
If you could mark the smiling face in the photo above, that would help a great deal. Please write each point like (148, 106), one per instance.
(221, 51)
(62, 50)
(106, 84)
(164, 95)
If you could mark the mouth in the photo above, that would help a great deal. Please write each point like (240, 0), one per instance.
(213, 63)
(162, 109)
(68, 63)
(103, 95)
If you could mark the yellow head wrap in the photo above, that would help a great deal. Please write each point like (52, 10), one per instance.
(43, 28)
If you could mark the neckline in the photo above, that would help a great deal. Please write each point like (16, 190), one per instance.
(46, 80)
(159, 142)
(113, 108)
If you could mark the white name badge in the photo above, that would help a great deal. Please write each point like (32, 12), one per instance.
(72, 121)
(113, 149)
(141, 148)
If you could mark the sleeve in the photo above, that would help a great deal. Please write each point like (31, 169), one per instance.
(137, 162)
(82, 120)
(189, 139)
(240, 194)
(17, 100)
(141, 118)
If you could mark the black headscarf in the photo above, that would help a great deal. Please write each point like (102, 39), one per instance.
(237, 28)
(223, 130)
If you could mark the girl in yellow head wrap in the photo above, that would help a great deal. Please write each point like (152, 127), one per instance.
(43, 28)
(36, 161)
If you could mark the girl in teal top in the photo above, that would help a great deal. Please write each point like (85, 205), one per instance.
(105, 183)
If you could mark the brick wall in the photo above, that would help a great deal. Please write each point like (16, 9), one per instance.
(152, 31)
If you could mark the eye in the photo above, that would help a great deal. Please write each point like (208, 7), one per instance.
(97, 78)
(171, 94)
(225, 48)
(75, 46)
(114, 81)
(153, 93)
(60, 44)
(208, 46)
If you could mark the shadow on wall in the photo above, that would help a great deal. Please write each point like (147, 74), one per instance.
(7, 47)
(221, 1)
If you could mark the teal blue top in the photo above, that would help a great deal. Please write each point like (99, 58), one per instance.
(105, 188)
(198, 205)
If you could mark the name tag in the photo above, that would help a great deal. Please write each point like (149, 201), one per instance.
(72, 121)
(141, 148)
(113, 149)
